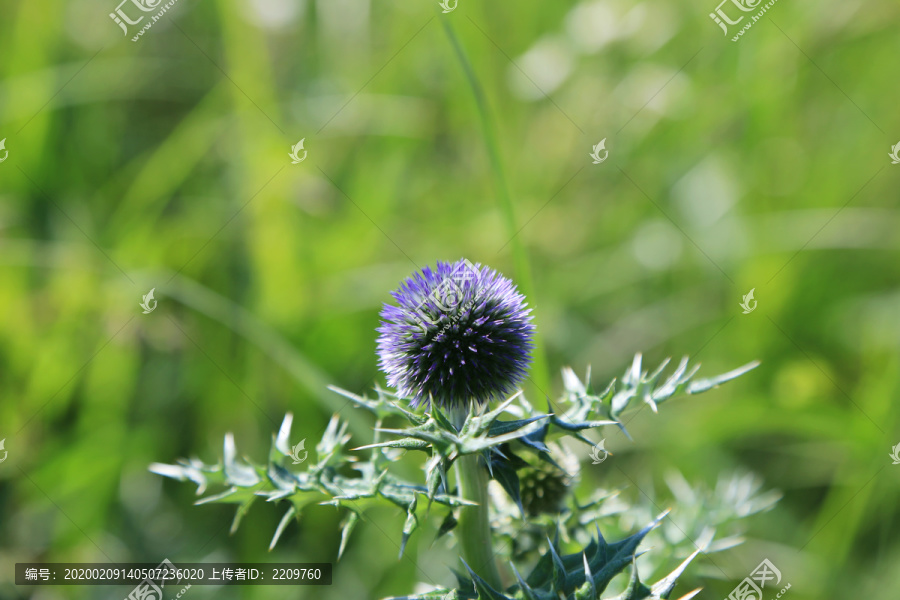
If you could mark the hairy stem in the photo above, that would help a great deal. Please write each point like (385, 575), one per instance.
(474, 528)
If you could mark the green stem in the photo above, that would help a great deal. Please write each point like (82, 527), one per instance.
(474, 528)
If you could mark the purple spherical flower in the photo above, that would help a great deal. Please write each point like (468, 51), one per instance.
(460, 334)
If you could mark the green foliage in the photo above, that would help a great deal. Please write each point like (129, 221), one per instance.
(145, 158)
(578, 576)
(319, 483)
(583, 575)
(635, 385)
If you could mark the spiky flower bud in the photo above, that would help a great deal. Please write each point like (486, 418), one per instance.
(543, 489)
(460, 335)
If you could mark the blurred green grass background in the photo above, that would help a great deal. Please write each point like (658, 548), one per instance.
(164, 164)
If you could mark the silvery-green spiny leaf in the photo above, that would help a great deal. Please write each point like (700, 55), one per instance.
(282, 525)
(661, 590)
(447, 525)
(239, 513)
(535, 441)
(330, 447)
(412, 522)
(479, 433)
(474, 442)
(503, 471)
(284, 481)
(502, 427)
(347, 527)
(276, 481)
(479, 423)
(559, 578)
(436, 476)
(282, 442)
(383, 406)
(484, 590)
(525, 591)
(442, 420)
(429, 432)
(243, 497)
(463, 583)
(236, 473)
(675, 381)
(635, 590)
(403, 444)
(587, 591)
(702, 385)
(226, 496)
(605, 562)
(636, 384)
(579, 576)
(193, 470)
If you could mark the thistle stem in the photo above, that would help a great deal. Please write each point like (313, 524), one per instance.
(474, 528)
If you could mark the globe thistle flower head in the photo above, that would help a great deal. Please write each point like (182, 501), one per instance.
(461, 334)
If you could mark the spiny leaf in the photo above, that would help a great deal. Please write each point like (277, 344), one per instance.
(525, 590)
(441, 419)
(381, 406)
(239, 514)
(447, 525)
(664, 586)
(485, 591)
(412, 522)
(236, 473)
(329, 448)
(472, 445)
(281, 478)
(282, 525)
(558, 581)
(501, 427)
(588, 591)
(635, 590)
(220, 497)
(702, 385)
(283, 439)
(347, 528)
(192, 470)
(503, 471)
(405, 444)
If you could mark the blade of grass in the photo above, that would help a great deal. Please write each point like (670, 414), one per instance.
(540, 371)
